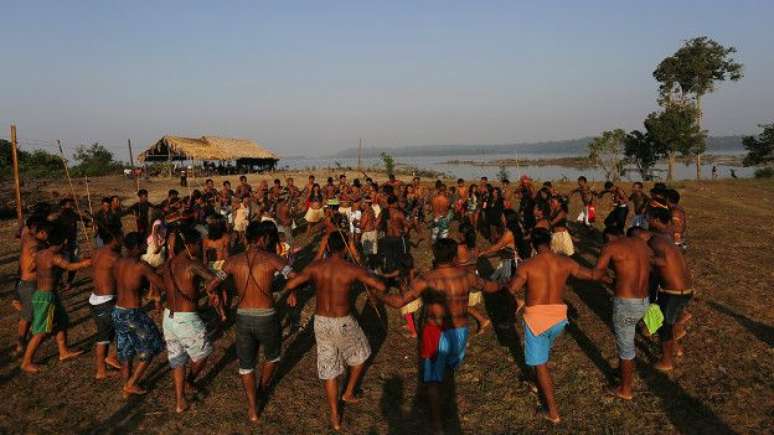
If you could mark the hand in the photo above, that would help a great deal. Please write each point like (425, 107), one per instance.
(607, 280)
(292, 300)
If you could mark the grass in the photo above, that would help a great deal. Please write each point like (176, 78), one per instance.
(724, 384)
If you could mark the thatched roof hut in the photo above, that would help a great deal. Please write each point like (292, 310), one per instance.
(208, 148)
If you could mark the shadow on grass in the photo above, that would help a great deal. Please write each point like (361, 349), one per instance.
(762, 331)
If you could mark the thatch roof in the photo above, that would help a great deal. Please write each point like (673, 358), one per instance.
(205, 148)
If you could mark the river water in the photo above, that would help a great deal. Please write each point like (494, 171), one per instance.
(466, 171)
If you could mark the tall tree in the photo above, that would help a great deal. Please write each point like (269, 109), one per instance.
(693, 71)
(643, 151)
(760, 150)
(606, 152)
(674, 130)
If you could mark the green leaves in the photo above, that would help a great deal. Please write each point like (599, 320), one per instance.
(389, 163)
(760, 150)
(606, 152)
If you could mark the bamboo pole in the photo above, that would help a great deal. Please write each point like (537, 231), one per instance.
(17, 181)
(131, 163)
(72, 192)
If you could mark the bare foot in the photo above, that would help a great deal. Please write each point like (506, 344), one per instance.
(662, 367)
(336, 423)
(350, 399)
(16, 304)
(484, 326)
(113, 362)
(680, 334)
(679, 351)
(181, 408)
(547, 416)
(252, 416)
(30, 368)
(133, 389)
(69, 355)
(616, 392)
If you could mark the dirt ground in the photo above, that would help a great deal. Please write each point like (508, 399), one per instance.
(724, 384)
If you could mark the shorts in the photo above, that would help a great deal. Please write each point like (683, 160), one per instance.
(449, 355)
(440, 227)
(370, 242)
(103, 320)
(627, 313)
(537, 349)
(561, 243)
(136, 334)
(672, 307)
(24, 291)
(339, 340)
(253, 331)
(640, 221)
(475, 298)
(47, 313)
(186, 338)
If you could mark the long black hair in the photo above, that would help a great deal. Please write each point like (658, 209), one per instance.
(513, 224)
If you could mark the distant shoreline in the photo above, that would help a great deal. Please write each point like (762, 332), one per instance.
(583, 162)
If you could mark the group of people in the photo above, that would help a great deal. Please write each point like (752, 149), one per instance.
(236, 250)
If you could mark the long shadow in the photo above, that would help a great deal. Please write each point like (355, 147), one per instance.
(762, 331)
(9, 259)
(373, 320)
(588, 347)
(228, 357)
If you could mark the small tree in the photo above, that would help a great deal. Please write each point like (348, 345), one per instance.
(94, 160)
(674, 130)
(389, 163)
(606, 152)
(503, 174)
(760, 150)
(643, 151)
(694, 70)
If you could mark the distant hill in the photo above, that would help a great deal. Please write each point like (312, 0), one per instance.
(570, 146)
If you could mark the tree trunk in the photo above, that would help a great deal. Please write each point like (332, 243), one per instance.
(698, 122)
(670, 165)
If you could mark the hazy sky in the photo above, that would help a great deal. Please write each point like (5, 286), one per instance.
(310, 78)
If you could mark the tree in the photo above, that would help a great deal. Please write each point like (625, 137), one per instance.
(94, 160)
(389, 163)
(643, 151)
(760, 150)
(693, 71)
(674, 130)
(502, 174)
(605, 152)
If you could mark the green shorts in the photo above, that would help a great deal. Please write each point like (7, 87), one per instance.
(47, 313)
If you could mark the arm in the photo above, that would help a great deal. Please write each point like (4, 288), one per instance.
(397, 301)
(61, 263)
(370, 281)
(154, 278)
(484, 285)
(580, 272)
(517, 283)
(323, 245)
(501, 244)
(600, 270)
(559, 217)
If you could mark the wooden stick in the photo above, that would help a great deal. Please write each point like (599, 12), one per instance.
(16, 179)
(72, 192)
(367, 289)
(88, 197)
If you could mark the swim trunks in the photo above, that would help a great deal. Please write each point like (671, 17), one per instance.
(102, 312)
(537, 349)
(441, 227)
(136, 334)
(257, 327)
(47, 313)
(370, 241)
(186, 338)
(339, 340)
(24, 291)
(627, 313)
(672, 305)
(441, 349)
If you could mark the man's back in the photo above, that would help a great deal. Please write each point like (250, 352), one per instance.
(104, 281)
(546, 276)
(674, 271)
(253, 271)
(440, 204)
(333, 278)
(631, 258)
(455, 282)
(129, 279)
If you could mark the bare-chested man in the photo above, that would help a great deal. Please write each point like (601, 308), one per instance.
(676, 286)
(184, 332)
(48, 314)
(217, 247)
(441, 206)
(136, 334)
(620, 211)
(257, 323)
(340, 340)
(394, 244)
(369, 238)
(545, 314)
(586, 216)
(455, 282)
(631, 259)
(639, 202)
(33, 239)
(284, 218)
(102, 302)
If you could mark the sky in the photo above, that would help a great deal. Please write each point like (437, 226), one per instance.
(310, 78)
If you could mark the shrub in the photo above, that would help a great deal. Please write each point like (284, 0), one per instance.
(766, 172)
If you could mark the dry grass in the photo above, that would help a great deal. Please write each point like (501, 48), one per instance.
(723, 384)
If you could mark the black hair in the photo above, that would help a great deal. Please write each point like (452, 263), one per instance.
(35, 221)
(336, 242)
(660, 186)
(56, 236)
(132, 240)
(673, 196)
(609, 185)
(633, 231)
(663, 215)
(392, 199)
(272, 235)
(460, 180)
(242, 177)
(612, 230)
(216, 226)
(468, 233)
(173, 192)
(142, 192)
(547, 184)
(638, 183)
(106, 200)
(444, 251)
(582, 178)
(209, 180)
(512, 223)
(46, 226)
(541, 237)
(255, 231)
(277, 181)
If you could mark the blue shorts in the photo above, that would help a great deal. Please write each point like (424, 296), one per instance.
(136, 335)
(537, 349)
(451, 352)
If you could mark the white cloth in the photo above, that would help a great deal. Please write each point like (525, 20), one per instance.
(100, 299)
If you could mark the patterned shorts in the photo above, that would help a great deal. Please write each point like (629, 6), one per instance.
(339, 340)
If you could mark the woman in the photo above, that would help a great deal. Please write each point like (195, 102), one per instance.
(511, 247)
(156, 255)
(314, 212)
(542, 211)
(561, 242)
(493, 214)
(467, 256)
(471, 205)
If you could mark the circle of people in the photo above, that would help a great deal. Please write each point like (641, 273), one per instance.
(235, 250)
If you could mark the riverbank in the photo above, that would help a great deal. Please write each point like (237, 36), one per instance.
(583, 162)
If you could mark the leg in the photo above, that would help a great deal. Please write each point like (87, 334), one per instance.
(547, 390)
(410, 325)
(21, 340)
(483, 322)
(434, 398)
(332, 392)
(248, 380)
(355, 373)
(626, 368)
(32, 347)
(65, 352)
(100, 351)
(131, 385)
(667, 358)
(178, 375)
(267, 371)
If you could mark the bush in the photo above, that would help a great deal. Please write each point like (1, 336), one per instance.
(95, 160)
(389, 163)
(766, 172)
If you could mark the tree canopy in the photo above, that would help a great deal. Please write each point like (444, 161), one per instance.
(606, 152)
(760, 150)
(94, 160)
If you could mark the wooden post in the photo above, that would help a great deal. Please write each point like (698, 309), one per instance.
(360, 155)
(131, 163)
(72, 193)
(15, 159)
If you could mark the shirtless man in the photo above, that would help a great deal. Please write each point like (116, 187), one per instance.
(620, 211)
(184, 332)
(587, 198)
(639, 202)
(48, 314)
(284, 218)
(33, 240)
(257, 323)
(676, 286)
(456, 283)
(217, 247)
(102, 302)
(369, 235)
(679, 220)
(243, 189)
(545, 314)
(136, 334)
(394, 243)
(631, 259)
(338, 335)
(441, 214)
